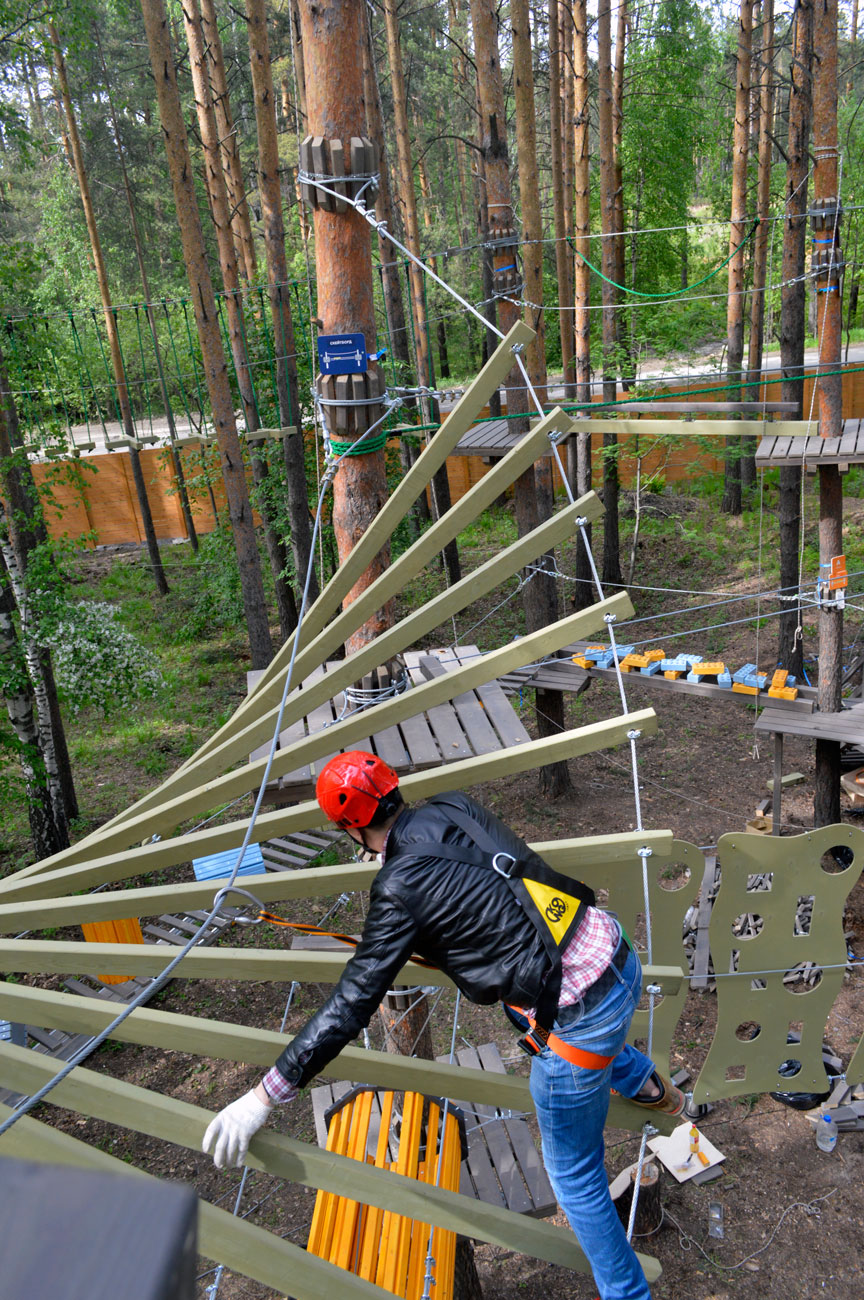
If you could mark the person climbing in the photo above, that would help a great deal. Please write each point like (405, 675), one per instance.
(459, 888)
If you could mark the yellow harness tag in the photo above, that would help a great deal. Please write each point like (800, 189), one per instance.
(557, 908)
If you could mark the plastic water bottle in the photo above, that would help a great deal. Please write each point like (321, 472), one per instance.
(826, 1133)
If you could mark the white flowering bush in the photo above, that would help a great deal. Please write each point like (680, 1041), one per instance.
(97, 662)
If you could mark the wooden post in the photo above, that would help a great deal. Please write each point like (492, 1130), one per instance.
(735, 306)
(333, 36)
(790, 650)
(827, 266)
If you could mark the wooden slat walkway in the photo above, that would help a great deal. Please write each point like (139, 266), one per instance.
(809, 452)
(846, 726)
(503, 1166)
(481, 721)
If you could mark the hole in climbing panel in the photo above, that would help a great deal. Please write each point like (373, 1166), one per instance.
(673, 875)
(602, 897)
(837, 859)
(803, 978)
(803, 915)
(747, 925)
(639, 934)
(747, 1031)
(736, 1073)
(762, 883)
(789, 1068)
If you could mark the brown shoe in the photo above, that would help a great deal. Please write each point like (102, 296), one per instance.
(671, 1100)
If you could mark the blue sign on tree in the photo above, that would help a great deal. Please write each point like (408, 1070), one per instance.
(342, 354)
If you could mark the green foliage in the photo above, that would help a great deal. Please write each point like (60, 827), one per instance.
(218, 602)
(97, 662)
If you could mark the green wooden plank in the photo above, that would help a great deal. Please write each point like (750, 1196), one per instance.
(239, 1245)
(694, 428)
(252, 1046)
(152, 901)
(166, 817)
(64, 957)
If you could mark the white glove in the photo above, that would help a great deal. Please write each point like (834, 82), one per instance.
(229, 1134)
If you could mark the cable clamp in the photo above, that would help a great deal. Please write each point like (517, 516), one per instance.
(517, 349)
(608, 618)
(581, 521)
(633, 735)
(654, 989)
(650, 1130)
(645, 852)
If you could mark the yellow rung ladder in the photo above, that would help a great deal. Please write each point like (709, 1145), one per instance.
(379, 1245)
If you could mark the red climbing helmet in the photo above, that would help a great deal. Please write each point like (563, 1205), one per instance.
(352, 785)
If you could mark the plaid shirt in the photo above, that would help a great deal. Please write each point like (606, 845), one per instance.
(585, 958)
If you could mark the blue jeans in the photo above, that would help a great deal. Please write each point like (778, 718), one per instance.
(572, 1103)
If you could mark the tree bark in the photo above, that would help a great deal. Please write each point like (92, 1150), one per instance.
(179, 477)
(828, 285)
(27, 531)
(731, 503)
(793, 312)
(230, 146)
(579, 463)
(425, 367)
(270, 193)
(109, 313)
(611, 557)
(333, 37)
(560, 196)
(49, 837)
(760, 244)
(220, 208)
(206, 320)
(540, 596)
(620, 243)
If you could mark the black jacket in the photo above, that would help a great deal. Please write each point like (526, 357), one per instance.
(461, 917)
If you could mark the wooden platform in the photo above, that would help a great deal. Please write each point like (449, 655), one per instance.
(481, 721)
(503, 1166)
(809, 452)
(846, 726)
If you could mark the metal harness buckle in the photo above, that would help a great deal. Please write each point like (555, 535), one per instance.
(501, 872)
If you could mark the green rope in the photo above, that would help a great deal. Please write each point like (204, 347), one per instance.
(196, 375)
(184, 395)
(124, 373)
(80, 346)
(678, 293)
(144, 370)
(52, 355)
(270, 350)
(112, 388)
(365, 448)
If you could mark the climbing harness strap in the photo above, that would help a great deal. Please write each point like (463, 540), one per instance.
(537, 1038)
(555, 903)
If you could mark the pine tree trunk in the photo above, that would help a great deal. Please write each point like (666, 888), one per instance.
(559, 197)
(333, 37)
(540, 596)
(270, 193)
(620, 243)
(220, 208)
(760, 245)
(580, 473)
(828, 286)
(206, 320)
(731, 503)
(611, 557)
(110, 314)
(425, 367)
(233, 167)
(793, 310)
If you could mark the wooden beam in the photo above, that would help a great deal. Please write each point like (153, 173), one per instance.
(252, 1046)
(271, 887)
(222, 1237)
(694, 428)
(62, 957)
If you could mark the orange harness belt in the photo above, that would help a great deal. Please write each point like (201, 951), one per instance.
(540, 1038)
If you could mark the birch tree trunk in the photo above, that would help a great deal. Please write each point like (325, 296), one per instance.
(731, 503)
(793, 311)
(27, 531)
(270, 193)
(109, 313)
(220, 208)
(206, 320)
